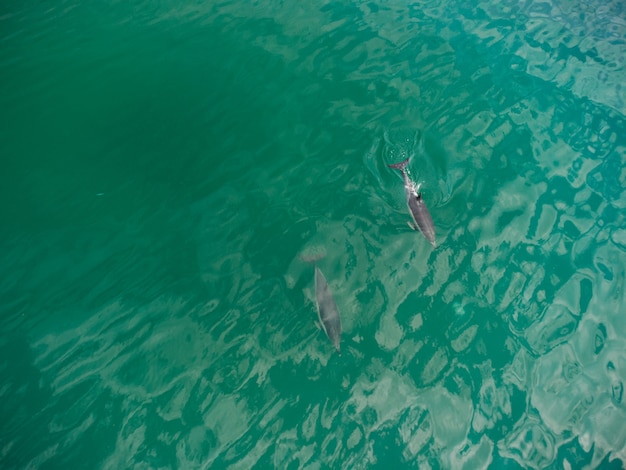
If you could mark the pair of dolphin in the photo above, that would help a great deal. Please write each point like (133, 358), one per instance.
(422, 221)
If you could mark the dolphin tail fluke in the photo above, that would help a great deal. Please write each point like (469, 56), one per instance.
(399, 166)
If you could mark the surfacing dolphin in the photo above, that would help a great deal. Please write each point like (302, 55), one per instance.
(327, 310)
(422, 220)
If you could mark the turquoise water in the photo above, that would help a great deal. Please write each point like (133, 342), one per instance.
(167, 166)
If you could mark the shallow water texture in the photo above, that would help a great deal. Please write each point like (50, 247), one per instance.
(171, 171)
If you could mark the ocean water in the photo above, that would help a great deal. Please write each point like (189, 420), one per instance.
(170, 169)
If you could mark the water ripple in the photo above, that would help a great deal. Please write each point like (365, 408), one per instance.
(178, 328)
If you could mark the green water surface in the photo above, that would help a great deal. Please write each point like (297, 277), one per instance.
(167, 168)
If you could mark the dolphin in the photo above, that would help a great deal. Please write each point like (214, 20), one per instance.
(327, 310)
(422, 220)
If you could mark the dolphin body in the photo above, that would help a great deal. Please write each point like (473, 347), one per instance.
(327, 310)
(422, 220)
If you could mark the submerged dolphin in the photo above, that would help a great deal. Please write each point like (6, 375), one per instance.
(419, 212)
(327, 310)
